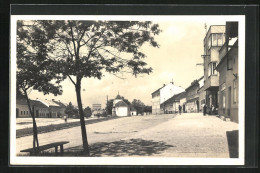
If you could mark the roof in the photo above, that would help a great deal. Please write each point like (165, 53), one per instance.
(118, 97)
(22, 101)
(195, 82)
(176, 97)
(38, 104)
(59, 103)
(121, 104)
(49, 103)
(157, 90)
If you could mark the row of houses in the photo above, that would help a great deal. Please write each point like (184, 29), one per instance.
(217, 88)
(168, 98)
(41, 108)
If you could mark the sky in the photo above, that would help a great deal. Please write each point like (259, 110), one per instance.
(181, 47)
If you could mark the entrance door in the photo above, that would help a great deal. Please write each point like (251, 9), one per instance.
(229, 101)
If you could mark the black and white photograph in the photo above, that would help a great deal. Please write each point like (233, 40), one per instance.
(127, 90)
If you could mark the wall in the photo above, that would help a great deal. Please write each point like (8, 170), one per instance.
(168, 91)
(227, 77)
(24, 109)
(202, 97)
(156, 103)
(122, 111)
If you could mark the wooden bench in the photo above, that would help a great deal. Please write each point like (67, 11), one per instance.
(46, 147)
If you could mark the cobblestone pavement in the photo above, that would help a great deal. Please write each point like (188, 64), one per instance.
(186, 135)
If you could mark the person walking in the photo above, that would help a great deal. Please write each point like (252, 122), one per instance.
(204, 109)
(180, 109)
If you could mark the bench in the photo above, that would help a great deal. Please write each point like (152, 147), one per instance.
(46, 147)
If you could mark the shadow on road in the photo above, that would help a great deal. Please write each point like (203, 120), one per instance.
(232, 138)
(53, 127)
(132, 147)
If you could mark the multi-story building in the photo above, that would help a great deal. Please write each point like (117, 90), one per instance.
(192, 96)
(163, 94)
(228, 74)
(213, 41)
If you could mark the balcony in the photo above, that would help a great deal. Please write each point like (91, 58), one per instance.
(212, 81)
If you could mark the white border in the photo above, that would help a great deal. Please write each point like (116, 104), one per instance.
(14, 160)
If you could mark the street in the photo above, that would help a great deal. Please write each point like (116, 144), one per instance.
(168, 135)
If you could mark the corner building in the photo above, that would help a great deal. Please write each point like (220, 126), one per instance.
(213, 41)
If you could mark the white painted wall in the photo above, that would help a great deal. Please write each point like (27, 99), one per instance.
(122, 111)
(168, 91)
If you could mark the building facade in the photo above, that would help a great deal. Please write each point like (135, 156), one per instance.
(172, 104)
(162, 94)
(228, 74)
(120, 108)
(192, 96)
(22, 110)
(213, 41)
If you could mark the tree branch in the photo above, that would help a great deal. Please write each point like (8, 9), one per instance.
(71, 80)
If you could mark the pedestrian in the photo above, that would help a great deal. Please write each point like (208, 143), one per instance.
(65, 118)
(204, 109)
(180, 109)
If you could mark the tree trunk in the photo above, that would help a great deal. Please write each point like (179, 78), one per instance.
(82, 120)
(35, 133)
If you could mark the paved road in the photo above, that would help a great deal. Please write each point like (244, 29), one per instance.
(186, 135)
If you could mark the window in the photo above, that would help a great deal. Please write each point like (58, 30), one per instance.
(27, 112)
(21, 112)
(218, 39)
(24, 112)
(214, 40)
(212, 69)
(229, 63)
(235, 91)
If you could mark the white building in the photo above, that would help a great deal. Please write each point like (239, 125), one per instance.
(162, 94)
(120, 108)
